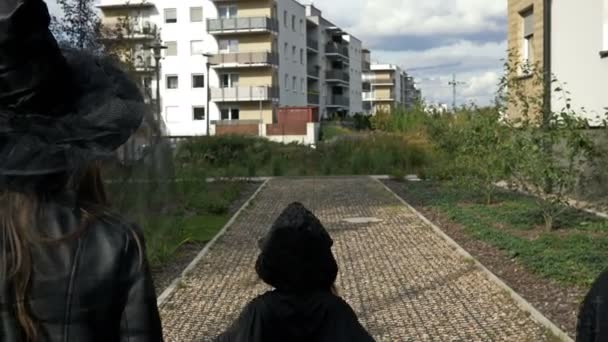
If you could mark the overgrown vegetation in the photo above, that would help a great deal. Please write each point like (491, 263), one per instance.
(515, 225)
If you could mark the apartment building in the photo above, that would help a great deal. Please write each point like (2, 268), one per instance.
(387, 86)
(566, 39)
(334, 68)
(260, 55)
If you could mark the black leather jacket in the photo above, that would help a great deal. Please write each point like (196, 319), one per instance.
(92, 287)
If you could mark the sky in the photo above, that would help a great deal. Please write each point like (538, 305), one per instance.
(431, 39)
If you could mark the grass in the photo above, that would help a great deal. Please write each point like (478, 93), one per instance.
(331, 131)
(575, 254)
(186, 212)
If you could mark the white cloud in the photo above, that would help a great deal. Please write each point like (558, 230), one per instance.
(53, 7)
(416, 17)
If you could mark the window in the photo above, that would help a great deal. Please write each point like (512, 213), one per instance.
(198, 81)
(286, 82)
(286, 50)
(229, 113)
(302, 26)
(170, 15)
(172, 82)
(293, 23)
(227, 11)
(294, 84)
(285, 18)
(293, 52)
(229, 80)
(196, 47)
(196, 14)
(171, 49)
(172, 114)
(302, 56)
(302, 85)
(198, 113)
(228, 45)
(528, 38)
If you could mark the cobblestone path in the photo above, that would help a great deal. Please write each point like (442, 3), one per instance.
(403, 280)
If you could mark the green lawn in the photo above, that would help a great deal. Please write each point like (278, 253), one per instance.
(574, 254)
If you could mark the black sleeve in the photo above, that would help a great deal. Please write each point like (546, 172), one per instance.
(592, 324)
(352, 327)
(140, 320)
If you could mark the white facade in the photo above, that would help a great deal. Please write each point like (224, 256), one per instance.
(184, 29)
(579, 34)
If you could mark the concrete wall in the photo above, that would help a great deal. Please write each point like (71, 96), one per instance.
(577, 38)
(288, 64)
(356, 87)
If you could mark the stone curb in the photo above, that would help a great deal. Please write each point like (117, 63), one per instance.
(171, 288)
(520, 301)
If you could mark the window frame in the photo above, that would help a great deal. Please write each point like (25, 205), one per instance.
(201, 15)
(168, 44)
(194, 108)
(165, 16)
(167, 81)
(204, 78)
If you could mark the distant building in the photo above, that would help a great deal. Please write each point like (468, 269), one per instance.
(263, 55)
(387, 86)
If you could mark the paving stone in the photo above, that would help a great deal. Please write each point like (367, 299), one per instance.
(403, 280)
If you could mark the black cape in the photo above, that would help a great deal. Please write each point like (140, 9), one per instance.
(592, 323)
(281, 317)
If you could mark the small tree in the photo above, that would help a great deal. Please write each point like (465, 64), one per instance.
(485, 155)
(551, 146)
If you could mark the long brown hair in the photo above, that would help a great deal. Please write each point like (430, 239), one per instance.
(20, 214)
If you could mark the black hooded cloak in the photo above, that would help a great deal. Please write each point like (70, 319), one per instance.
(296, 259)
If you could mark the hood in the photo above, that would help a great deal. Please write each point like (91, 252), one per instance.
(296, 254)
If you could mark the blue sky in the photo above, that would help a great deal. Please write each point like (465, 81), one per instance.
(431, 39)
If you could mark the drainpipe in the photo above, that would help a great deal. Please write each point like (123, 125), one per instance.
(547, 60)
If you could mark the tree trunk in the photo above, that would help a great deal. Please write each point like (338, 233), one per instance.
(548, 222)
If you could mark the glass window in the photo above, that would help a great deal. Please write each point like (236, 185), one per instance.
(171, 49)
(170, 15)
(229, 113)
(196, 47)
(198, 81)
(286, 82)
(293, 52)
(227, 11)
(302, 56)
(196, 14)
(198, 113)
(285, 18)
(293, 23)
(294, 84)
(172, 82)
(229, 80)
(228, 45)
(286, 50)
(527, 53)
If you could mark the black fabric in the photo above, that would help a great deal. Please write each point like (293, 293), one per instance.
(592, 325)
(93, 288)
(280, 317)
(296, 253)
(58, 110)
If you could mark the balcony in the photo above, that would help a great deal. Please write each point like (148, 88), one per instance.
(313, 99)
(337, 76)
(241, 25)
(134, 31)
(337, 50)
(338, 101)
(244, 59)
(366, 86)
(313, 71)
(244, 94)
(312, 44)
(369, 96)
(374, 79)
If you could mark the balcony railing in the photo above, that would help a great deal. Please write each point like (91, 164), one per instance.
(242, 94)
(336, 49)
(245, 24)
(312, 44)
(313, 99)
(374, 79)
(339, 75)
(338, 100)
(369, 96)
(244, 59)
(313, 70)
(109, 4)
